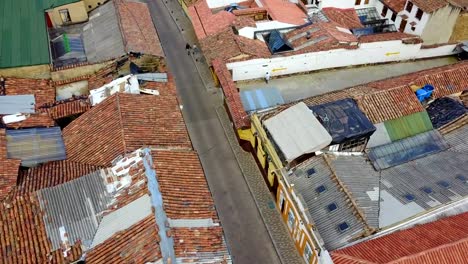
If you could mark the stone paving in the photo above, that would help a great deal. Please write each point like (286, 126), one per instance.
(263, 198)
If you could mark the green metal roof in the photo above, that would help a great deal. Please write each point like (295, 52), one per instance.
(408, 126)
(23, 38)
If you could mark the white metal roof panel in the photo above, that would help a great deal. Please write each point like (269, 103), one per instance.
(297, 131)
(12, 104)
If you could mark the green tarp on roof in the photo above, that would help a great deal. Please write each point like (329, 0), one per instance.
(408, 126)
(23, 37)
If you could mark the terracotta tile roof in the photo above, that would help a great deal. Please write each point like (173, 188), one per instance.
(230, 47)
(243, 21)
(205, 23)
(8, 168)
(236, 111)
(66, 109)
(446, 80)
(137, 28)
(442, 241)
(390, 104)
(183, 185)
(124, 123)
(51, 174)
(251, 12)
(395, 5)
(23, 238)
(347, 18)
(190, 241)
(42, 89)
(137, 244)
(102, 77)
(285, 11)
(429, 6)
(34, 120)
(406, 38)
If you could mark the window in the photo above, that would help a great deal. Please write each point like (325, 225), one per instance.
(65, 15)
(310, 172)
(394, 17)
(358, 2)
(461, 178)
(384, 11)
(409, 197)
(291, 219)
(321, 189)
(409, 7)
(332, 207)
(427, 190)
(413, 28)
(343, 226)
(419, 14)
(307, 253)
(444, 184)
(366, 2)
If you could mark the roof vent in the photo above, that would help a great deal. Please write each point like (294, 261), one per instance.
(307, 35)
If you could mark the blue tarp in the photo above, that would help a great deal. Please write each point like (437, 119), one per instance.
(444, 110)
(277, 43)
(258, 99)
(343, 120)
(407, 149)
(35, 145)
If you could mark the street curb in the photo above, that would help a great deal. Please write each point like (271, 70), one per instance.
(250, 188)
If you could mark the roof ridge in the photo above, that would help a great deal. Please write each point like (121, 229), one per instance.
(121, 122)
(463, 240)
(368, 229)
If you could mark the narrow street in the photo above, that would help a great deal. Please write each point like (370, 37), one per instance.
(245, 231)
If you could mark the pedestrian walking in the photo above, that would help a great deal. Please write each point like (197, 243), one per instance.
(267, 77)
(187, 48)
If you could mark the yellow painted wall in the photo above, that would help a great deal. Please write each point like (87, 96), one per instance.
(77, 12)
(92, 4)
(460, 32)
(32, 72)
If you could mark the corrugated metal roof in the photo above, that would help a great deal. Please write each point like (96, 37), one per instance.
(425, 180)
(261, 98)
(35, 145)
(458, 139)
(317, 203)
(297, 131)
(76, 207)
(24, 39)
(407, 149)
(122, 219)
(362, 180)
(101, 35)
(12, 104)
(408, 126)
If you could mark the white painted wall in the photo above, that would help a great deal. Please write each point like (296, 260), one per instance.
(220, 3)
(421, 24)
(368, 53)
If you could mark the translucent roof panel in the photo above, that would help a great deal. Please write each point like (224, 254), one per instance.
(35, 145)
